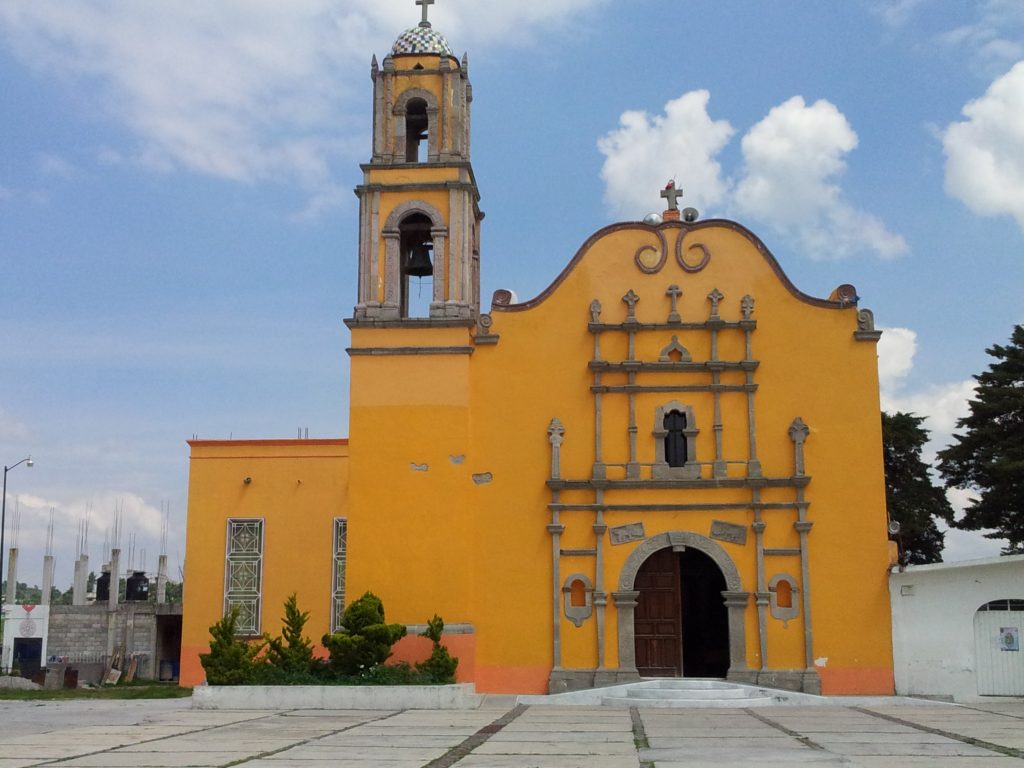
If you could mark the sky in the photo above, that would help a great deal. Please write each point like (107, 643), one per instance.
(178, 231)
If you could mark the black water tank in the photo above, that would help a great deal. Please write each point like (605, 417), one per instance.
(103, 587)
(137, 587)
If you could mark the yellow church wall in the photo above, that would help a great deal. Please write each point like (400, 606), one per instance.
(810, 366)
(297, 487)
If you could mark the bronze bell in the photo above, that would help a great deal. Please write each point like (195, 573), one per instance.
(419, 264)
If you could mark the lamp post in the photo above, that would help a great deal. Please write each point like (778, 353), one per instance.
(3, 529)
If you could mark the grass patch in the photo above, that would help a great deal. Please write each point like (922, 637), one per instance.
(145, 690)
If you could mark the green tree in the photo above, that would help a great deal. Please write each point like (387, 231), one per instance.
(987, 457)
(910, 497)
(231, 659)
(365, 640)
(291, 652)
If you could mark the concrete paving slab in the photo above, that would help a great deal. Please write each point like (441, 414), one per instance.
(932, 762)
(380, 752)
(559, 747)
(157, 760)
(947, 749)
(544, 761)
(279, 762)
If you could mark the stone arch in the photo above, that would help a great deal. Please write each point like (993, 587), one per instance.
(400, 111)
(392, 254)
(736, 600)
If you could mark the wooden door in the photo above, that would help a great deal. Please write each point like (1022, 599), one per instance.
(658, 617)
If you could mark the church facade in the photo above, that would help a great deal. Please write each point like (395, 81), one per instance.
(666, 464)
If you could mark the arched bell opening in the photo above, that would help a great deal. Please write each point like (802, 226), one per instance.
(417, 131)
(416, 246)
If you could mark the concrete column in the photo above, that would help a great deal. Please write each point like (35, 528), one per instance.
(12, 576)
(115, 578)
(47, 579)
(77, 585)
(161, 580)
(625, 606)
(736, 605)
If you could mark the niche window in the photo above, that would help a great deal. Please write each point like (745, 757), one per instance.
(782, 590)
(675, 443)
(675, 438)
(417, 128)
(578, 598)
(416, 244)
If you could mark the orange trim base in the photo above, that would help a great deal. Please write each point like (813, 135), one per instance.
(876, 681)
(512, 679)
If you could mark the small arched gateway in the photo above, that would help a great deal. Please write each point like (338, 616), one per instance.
(680, 609)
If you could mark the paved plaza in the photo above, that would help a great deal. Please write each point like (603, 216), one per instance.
(110, 734)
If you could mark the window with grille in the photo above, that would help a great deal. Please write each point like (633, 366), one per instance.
(243, 577)
(338, 587)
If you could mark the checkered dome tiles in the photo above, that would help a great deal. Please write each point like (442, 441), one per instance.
(421, 40)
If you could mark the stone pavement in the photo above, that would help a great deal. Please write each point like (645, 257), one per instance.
(169, 734)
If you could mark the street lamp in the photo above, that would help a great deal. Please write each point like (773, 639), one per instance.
(3, 529)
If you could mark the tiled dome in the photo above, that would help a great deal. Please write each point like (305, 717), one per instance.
(421, 40)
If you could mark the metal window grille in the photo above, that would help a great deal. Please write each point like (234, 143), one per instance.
(243, 577)
(338, 587)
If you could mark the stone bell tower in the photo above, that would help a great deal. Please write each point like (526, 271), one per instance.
(419, 215)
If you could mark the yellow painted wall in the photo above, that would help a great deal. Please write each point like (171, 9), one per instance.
(298, 487)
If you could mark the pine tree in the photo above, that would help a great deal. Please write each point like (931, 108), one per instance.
(291, 652)
(988, 456)
(911, 498)
(231, 659)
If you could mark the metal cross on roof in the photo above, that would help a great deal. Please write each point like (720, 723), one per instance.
(425, 4)
(672, 194)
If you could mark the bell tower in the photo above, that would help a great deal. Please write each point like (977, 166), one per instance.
(419, 214)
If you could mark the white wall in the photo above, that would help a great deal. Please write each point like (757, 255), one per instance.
(933, 609)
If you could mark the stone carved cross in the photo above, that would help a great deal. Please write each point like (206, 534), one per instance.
(673, 293)
(425, 4)
(716, 297)
(672, 194)
(595, 311)
(747, 306)
(631, 299)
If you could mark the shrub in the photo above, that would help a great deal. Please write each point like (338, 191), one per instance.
(440, 667)
(231, 660)
(365, 640)
(291, 653)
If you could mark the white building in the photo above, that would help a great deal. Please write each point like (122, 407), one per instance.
(957, 628)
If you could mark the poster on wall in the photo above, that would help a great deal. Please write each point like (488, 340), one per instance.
(1009, 638)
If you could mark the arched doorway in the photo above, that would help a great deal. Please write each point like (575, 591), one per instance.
(681, 624)
(736, 600)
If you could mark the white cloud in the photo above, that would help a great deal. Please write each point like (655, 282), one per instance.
(55, 166)
(896, 13)
(993, 40)
(246, 90)
(646, 151)
(941, 405)
(792, 158)
(140, 531)
(896, 351)
(985, 152)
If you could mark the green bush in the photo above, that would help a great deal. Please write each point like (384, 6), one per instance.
(440, 668)
(365, 640)
(231, 660)
(291, 653)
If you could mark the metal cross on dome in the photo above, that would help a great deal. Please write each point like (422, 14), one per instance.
(425, 4)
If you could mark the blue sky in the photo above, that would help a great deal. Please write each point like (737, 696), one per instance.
(178, 231)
